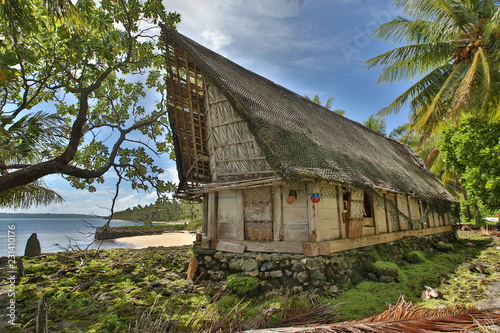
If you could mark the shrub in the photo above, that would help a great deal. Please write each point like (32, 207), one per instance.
(242, 284)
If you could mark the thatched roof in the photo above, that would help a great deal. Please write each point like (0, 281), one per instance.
(303, 140)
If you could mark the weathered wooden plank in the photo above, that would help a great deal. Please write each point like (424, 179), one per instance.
(273, 246)
(310, 249)
(434, 220)
(296, 233)
(392, 213)
(230, 214)
(369, 226)
(258, 230)
(239, 221)
(403, 207)
(355, 223)
(294, 215)
(414, 208)
(380, 218)
(340, 213)
(367, 231)
(226, 231)
(447, 219)
(353, 243)
(258, 213)
(327, 219)
(230, 247)
(278, 213)
(212, 216)
(324, 248)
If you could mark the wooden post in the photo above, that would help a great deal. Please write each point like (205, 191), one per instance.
(20, 269)
(278, 213)
(42, 316)
(340, 210)
(312, 214)
(212, 216)
(192, 268)
(239, 220)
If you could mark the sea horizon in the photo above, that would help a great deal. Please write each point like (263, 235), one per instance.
(56, 232)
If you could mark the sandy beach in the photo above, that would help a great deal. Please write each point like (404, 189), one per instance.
(166, 239)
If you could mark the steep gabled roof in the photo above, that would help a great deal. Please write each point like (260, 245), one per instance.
(303, 140)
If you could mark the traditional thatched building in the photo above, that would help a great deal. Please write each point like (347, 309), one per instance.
(278, 173)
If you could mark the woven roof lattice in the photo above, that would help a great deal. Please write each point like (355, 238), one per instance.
(303, 140)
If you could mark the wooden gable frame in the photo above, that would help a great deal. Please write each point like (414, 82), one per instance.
(187, 114)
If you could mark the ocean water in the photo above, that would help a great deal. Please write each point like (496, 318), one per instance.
(54, 233)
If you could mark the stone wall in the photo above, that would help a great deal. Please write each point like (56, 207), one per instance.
(332, 273)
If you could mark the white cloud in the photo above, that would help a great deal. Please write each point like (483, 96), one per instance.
(216, 39)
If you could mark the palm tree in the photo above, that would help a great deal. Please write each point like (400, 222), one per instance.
(327, 105)
(17, 146)
(375, 123)
(455, 46)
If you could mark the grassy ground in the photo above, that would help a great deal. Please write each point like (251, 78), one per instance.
(124, 290)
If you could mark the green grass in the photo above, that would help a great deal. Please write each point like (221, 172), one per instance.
(443, 270)
(114, 287)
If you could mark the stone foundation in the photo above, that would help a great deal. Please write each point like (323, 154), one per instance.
(297, 272)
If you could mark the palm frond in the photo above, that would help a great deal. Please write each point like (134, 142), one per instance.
(329, 102)
(28, 196)
(408, 61)
(415, 32)
(417, 92)
(427, 116)
(31, 136)
(477, 75)
(448, 12)
(408, 317)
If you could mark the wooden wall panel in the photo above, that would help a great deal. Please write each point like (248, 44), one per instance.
(327, 219)
(230, 215)
(403, 207)
(392, 215)
(434, 219)
(380, 216)
(258, 213)
(295, 217)
(355, 223)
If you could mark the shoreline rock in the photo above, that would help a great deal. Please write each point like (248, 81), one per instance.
(103, 233)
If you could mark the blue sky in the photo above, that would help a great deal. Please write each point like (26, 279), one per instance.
(317, 47)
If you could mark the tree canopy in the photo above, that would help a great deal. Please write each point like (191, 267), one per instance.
(474, 152)
(453, 48)
(99, 86)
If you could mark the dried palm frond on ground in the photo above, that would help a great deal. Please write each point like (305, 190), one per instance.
(490, 232)
(409, 317)
(292, 311)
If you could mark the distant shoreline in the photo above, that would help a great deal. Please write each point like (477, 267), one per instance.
(48, 215)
